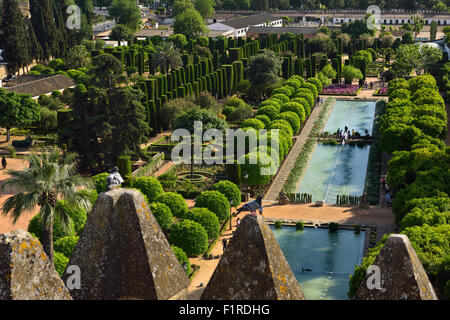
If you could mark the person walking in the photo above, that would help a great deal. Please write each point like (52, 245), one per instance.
(388, 199)
(224, 244)
(238, 220)
(4, 163)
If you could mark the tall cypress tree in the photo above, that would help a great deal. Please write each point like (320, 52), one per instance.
(14, 38)
(44, 26)
(34, 48)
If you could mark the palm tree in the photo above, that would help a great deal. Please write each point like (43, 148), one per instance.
(167, 56)
(48, 178)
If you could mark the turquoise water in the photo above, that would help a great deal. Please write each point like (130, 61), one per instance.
(331, 256)
(356, 115)
(335, 170)
(340, 169)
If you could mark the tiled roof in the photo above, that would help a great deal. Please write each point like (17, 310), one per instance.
(35, 85)
(244, 22)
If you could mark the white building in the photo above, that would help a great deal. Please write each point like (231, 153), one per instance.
(240, 26)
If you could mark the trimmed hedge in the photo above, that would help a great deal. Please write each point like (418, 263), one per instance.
(230, 190)
(162, 214)
(149, 186)
(253, 123)
(294, 107)
(60, 262)
(182, 259)
(269, 111)
(214, 201)
(189, 236)
(175, 202)
(292, 118)
(100, 182)
(207, 219)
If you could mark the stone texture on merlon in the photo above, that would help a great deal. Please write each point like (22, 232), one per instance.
(123, 253)
(26, 272)
(253, 267)
(401, 273)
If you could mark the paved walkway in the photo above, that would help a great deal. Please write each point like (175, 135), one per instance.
(283, 173)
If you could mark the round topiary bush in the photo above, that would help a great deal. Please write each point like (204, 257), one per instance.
(162, 214)
(66, 245)
(293, 83)
(252, 123)
(235, 102)
(264, 119)
(36, 226)
(78, 215)
(182, 259)
(149, 186)
(312, 88)
(283, 90)
(229, 190)
(60, 262)
(269, 111)
(307, 95)
(316, 82)
(175, 202)
(304, 103)
(207, 219)
(100, 182)
(284, 123)
(294, 107)
(214, 201)
(279, 96)
(292, 118)
(189, 236)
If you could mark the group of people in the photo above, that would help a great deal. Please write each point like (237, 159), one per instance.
(346, 134)
(387, 199)
(367, 85)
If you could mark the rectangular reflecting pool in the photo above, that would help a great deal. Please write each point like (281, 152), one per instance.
(331, 257)
(336, 170)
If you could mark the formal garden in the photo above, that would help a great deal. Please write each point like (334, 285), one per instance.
(128, 100)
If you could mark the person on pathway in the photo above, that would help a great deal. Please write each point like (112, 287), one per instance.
(345, 129)
(4, 163)
(224, 244)
(388, 199)
(383, 183)
(238, 220)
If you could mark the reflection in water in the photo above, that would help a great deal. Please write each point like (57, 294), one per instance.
(330, 256)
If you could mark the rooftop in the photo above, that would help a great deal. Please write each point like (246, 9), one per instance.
(35, 85)
(281, 30)
(243, 22)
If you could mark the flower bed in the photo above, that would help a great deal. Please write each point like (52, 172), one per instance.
(341, 90)
(381, 92)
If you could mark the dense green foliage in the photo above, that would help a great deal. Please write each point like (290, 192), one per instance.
(175, 202)
(149, 186)
(207, 219)
(162, 214)
(66, 245)
(230, 190)
(216, 202)
(189, 236)
(182, 259)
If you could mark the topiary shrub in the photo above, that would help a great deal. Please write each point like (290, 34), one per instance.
(60, 262)
(124, 165)
(292, 118)
(269, 111)
(235, 102)
(312, 88)
(182, 259)
(207, 219)
(287, 91)
(285, 125)
(189, 236)
(162, 214)
(281, 97)
(227, 110)
(252, 123)
(100, 182)
(258, 167)
(316, 82)
(230, 190)
(307, 95)
(241, 113)
(264, 119)
(78, 215)
(278, 224)
(304, 104)
(294, 107)
(175, 202)
(214, 201)
(36, 227)
(149, 186)
(168, 180)
(270, 102)
(66, 245)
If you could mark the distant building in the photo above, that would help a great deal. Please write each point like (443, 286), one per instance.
(308, 32)
(240, 26)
